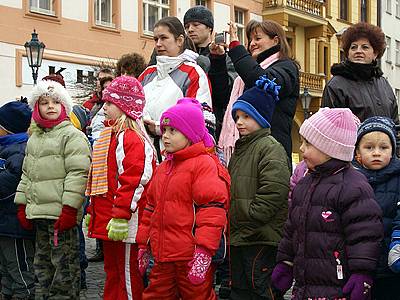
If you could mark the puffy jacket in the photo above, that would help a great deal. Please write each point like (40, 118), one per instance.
(260, 185)
(55, 171)
(11, 159)
(333, 218)
(130, 163)
(187, 203)
(386, 185)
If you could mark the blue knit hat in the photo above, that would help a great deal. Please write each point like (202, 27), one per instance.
(259, 101)
(382, 124)
(15, 117)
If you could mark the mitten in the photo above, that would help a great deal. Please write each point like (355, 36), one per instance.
(87, 220)
(199, 266)
(143, 260)
(23, 221)
(67, 219)
(394, 252)
(282, 277)
(117, 229)
(358, 287)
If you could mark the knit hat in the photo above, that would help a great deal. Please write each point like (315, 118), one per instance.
(382, 124)
(79, 117)
(15, 117)
(54, 90)
(55, 77)
(187, 117)
(332, 131)
(127, 93)
(259, 101)
(199, 14)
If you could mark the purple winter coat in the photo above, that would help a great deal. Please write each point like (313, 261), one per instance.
(333, 213)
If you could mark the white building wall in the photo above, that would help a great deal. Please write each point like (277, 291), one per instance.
(256, 17)
(12, 3)
(129, 15)
(224, 15)
(183, 6)
(75, 10)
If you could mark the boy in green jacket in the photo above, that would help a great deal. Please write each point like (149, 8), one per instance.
(260, 184)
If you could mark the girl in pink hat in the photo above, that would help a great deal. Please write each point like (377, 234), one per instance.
(122, 166)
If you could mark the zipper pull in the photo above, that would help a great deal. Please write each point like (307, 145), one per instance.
(339, 267)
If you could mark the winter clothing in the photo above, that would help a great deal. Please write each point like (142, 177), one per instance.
(46, 123)
(358, 287)
(23, 221)
(332, 131)
(15, 117)
(80, 117)
(187, 117)
(362, 88)
(200, 14)
(67, 219)
(199, 266)
(144, 256)
(55, 77)
(333, 230)
(127, 93)
(282, 277)
(299, 172)
(394, 252)
(117, 229)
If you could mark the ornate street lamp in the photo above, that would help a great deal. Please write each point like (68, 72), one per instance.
(305, 102)
(34, 53)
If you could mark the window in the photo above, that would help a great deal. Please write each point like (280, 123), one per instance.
(239, 20)
(398, 53)
(42, 6)
(364, 11)
(398, 8)
(154, 10)
(388, 51)
(103, 13)
(397, 94)
(85, 76)
(201, 2)
(344, 9)
(389, 6)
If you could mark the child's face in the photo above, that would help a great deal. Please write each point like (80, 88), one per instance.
(374, 150)
(49, 108)
(111, 111)
(245, 124)
(312, 156)
(174, 140)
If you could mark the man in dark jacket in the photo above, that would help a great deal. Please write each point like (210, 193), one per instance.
(16, 243)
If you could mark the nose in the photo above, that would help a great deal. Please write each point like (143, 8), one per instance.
(252, 43)
(158, 43)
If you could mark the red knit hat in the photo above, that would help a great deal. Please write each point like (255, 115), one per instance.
(126, 92)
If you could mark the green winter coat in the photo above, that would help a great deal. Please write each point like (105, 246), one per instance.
(259, 190)
(55, 171)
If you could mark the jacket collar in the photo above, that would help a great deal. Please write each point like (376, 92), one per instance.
(382, 175)
(357, 71)
(189, 152)
(248, 139)
(267, 53)
(167, 64)
(330, 167)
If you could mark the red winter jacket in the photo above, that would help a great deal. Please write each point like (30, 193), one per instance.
(187, 204)
(130, 167)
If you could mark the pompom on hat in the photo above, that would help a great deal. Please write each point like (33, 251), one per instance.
(127, 93)
(333, 131)
(15, 117)
(199, 14)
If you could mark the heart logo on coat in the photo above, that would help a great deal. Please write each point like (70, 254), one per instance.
(326, 215)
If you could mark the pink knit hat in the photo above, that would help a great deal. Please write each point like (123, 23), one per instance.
(126, 92)
(332, 131)
(187, 117)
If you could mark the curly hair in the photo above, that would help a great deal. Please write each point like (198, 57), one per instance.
(372, 33)
(131, 64)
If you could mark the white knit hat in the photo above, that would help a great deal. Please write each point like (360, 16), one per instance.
(52, 89)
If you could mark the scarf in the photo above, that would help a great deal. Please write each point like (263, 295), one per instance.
(44, 123)
(357, 71)
(14, 138)
(229, 133)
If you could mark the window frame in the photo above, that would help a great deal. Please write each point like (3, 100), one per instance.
(388, 8)
(42, 14)
(397, 8)
(367, 11)
(388, 52)
(397, 51)
(98, 15)
(240, 26)
(348, 13)
(115, 12)
(145, 10)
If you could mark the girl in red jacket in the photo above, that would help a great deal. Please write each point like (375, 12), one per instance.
(186, 209)
(123, 163)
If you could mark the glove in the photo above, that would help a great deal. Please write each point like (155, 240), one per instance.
(67, 219)
(358, 287)
(394, 252)
(199, 266)
(143, 260)
(23, 221)
(87, 220)
(117, 229)
(282, 277)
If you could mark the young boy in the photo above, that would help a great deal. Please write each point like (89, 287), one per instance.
(376, 159)
(16, 243)
(260, 183)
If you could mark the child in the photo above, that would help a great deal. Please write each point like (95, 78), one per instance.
(123, 163)
(376, 159)
(51, 191)
(331, 239)
(16, 243)
(186, 210)
(260, 183)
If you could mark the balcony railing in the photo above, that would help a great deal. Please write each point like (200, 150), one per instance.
(312, 81)
(313, 7)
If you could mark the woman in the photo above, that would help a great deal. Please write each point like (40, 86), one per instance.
(175, 75)
(269, 54)
(357, 83)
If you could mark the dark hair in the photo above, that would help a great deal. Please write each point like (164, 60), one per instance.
(132, 64)
(272, 29)
(105, 70)
(176, 28)
(372, 33)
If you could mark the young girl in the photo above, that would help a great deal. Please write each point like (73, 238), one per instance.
(51, 191)
(186, 210)
(331, 240)
(123, 163)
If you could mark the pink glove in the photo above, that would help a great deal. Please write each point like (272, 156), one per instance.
(143, 260)
(199, 266)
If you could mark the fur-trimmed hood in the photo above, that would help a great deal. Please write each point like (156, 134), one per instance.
(52, 89)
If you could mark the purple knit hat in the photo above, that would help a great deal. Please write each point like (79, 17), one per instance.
(187, 117)
(332, 131)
